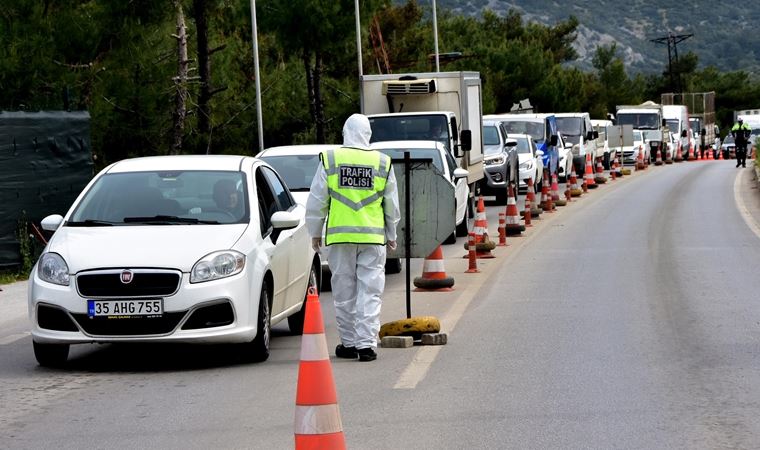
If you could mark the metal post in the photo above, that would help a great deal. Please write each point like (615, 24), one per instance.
(435, 37)
(359, 51)
(256, 75)
(407, 231)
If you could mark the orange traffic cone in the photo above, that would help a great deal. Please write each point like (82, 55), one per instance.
(528, 211)
(555, 187)
(483, 244)
(502, 230)
(317, 418)
(679, 153)
(434, 276)
(668, 155)
(512, 226)
(709, 155)
(640, 164)
(613, 169)
(658, 159)
(472, 254)
(546, 197)
(575, 190)
(599, 178)
(588, 177)
(691, 153)
(530, 202)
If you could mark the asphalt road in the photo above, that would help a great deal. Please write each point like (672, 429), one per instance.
(627, 319)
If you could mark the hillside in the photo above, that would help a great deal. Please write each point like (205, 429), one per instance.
(726, 34)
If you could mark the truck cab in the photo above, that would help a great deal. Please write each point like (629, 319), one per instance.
(646, 117)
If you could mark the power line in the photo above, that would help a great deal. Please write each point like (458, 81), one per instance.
(672, 40)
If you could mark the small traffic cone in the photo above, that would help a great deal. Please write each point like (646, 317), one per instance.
(556, 199)
(317, 417)
(530, 201)
(613, 169)
(599, 178)
(709, 155)
(679, 154)
(483, 244)
(568, 195)
(668, 155)
(434, 276)
(691, 153)
(472, 254)
(575, 190)
(546, 197)
(588, 177)
(640, 164)
(502, 230)
(512, 226)
(658, 159)
(720, 154)
(528, 211)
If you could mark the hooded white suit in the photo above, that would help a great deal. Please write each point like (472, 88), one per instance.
(358, 270)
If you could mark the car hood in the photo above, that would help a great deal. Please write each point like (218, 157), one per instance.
(167, 246)
(524, 157)
(492, 150)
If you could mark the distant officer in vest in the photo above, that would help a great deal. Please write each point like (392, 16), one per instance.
(741, 131)
(355, 189)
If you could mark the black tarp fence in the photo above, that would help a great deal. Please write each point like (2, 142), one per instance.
(45, 162)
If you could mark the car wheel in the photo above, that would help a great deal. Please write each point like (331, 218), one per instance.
(393, 265)
(295, 321)
(259, 347)
(51, 355)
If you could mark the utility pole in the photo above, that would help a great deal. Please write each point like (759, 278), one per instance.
(672, 40)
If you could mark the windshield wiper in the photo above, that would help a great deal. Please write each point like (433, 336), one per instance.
(91, 223)
(168, 220)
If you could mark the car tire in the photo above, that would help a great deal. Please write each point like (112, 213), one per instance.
(51, 355)
(259, 346)
(295, 321)
(393, 265)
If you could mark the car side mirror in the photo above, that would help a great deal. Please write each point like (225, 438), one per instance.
(460, 173)
(553, 140)
(510, 143)
(283, 220)
(539, 153)
(596, 135)
(51, 223)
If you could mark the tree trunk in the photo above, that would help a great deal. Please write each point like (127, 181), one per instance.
(204, 68)
(309, 71)
(180, 82)
(319, 107)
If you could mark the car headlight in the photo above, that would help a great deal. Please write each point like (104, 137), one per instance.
(53, 269)
(526, 165)
(217, 265)
(495, 161)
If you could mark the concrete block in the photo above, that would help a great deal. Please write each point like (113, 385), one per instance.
(434, 339)
(397, 341)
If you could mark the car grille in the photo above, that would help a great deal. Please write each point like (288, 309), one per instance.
(138, 326)
(144, 283)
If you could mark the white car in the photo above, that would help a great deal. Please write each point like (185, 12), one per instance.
(565, 165)
(443, 161)
(530, 159)
(195, 249)
(297, 165)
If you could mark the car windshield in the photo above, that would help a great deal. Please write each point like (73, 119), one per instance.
(415, 153)
(570, 126)
(523, 145)
(490, 135)
(646, 121)
(729, 140)
(164, 198)
(296, 170)
(534, 128)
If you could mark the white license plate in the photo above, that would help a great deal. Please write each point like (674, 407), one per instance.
(125, 308)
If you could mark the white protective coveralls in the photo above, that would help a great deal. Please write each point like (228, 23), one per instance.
(358, 270)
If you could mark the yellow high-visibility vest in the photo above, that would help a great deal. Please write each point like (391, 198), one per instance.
(356, 182)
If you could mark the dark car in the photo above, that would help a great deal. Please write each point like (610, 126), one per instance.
(502, 166)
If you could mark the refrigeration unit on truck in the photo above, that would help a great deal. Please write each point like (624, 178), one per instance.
(701, 107)
(444, 106)
(647, 118)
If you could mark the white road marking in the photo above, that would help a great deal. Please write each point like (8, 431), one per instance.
(742, 207)
(13, 338)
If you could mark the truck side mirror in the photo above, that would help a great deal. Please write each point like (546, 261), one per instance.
(683, 133)
(553, 140)
(466, 138)
(596, 134)
(664, 123)
(454, 128)
(589, 135)
(703, 132)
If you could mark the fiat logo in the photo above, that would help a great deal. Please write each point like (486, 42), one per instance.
(127, 276)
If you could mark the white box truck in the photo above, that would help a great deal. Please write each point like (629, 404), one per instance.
(648, 118)
(443, 106)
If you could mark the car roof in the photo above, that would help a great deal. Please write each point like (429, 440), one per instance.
(293, 150)
(181, 162)
(572, 114)
(519, 135)
(407, 144)
(517, 117)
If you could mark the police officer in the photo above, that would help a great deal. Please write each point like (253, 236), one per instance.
(355, 189)
(741, 131)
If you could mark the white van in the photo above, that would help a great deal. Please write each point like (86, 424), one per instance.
(677, 118)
